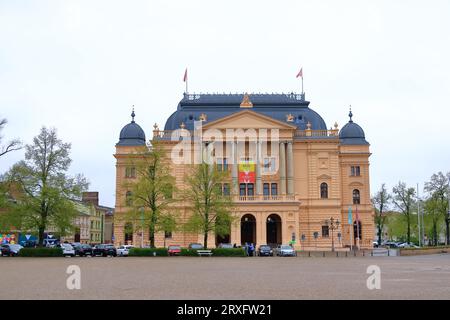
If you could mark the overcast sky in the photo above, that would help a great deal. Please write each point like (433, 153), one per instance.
(79, 66)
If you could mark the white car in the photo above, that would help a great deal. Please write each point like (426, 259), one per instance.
(123, 251)
(68, 250)
(286, 251)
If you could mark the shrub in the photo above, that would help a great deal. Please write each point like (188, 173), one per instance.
(219, 252)
(148, 252)
(41, 252)
(188, 253)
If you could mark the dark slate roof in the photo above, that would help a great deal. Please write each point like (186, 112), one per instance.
(132, 134)
(352, 133)
(217, 106)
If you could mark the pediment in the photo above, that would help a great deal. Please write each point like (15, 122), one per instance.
(248, 119)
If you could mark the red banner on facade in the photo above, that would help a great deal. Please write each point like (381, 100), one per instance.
(247, 172)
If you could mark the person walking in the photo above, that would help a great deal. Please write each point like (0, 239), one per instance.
(251, 249)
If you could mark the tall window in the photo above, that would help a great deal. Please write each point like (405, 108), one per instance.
(356, 197)
(242, 190)
(274, 189)
(355, 171)
(250, 189)
(129, 199)
(128, 232)
(222, 164)
(246, 189)
(266, 189)
(325, 231)
(130, 172)
(269, 165)
(324, 191)
(226, 189)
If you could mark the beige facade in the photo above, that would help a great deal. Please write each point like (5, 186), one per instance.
(318, 176)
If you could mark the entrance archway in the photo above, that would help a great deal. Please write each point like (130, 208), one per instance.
(274, 232)
(248, 229)
(357, 231)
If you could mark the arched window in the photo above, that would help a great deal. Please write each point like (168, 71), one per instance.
(129, 199)
(356, 197)
(128, 231)
(324, 191)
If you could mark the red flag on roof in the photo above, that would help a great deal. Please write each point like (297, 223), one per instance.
(185, 75)
(300, 74)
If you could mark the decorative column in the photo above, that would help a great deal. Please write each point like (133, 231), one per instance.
(282, 168)
(234, 173)
(258, 169)
(290, 169)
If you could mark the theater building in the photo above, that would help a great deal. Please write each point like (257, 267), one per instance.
(290, 175)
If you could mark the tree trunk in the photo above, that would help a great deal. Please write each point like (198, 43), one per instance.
(435, 234)
(447, 221)
(408, 236)
(41, 235)
(380, 230)
(205, 240)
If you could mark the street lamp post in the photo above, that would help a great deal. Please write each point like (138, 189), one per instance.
(333, 225)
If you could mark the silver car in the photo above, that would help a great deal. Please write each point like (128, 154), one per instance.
(286, 251)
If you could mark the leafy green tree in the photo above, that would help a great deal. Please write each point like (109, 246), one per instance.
(403, 199)
(10, 146)
(438, 189)
(381, 202)
(433, 217)
(153, 191)
(46, 191)
(212, 210)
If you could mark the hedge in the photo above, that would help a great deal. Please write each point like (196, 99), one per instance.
(41, 252)
(238, 252)
(148, 252)
(188, 253)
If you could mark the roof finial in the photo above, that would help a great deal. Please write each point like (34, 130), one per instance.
(133, 115)
(350, 114)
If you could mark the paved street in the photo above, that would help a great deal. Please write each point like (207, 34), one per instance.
(420, 277)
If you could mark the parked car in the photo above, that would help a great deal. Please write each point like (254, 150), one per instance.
(265, 250)
(82, 250)
(10, 250)
(174, 250)
(391, 244)
(286, 251)
(196, 246)
(407, 245)
(226, 246)
(51, 242)
(123, 251)
(104, 250)
(68, 250)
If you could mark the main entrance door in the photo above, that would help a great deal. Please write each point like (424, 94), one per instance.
(274, 233)
(248, 229)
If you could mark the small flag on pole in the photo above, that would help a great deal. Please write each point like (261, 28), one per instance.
(185, 76)
(300, 74)
(185, 79)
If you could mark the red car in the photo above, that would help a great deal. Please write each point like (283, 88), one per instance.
(174, 250)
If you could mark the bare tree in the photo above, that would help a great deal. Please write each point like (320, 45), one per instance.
(10, 146)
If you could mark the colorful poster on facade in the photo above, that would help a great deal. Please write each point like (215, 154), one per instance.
(247, 172)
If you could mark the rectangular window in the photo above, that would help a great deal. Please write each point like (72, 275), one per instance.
(355, 171)
(325, 231)
(250, 189)
(242, 190)
(168, 235)
(226, 189)
(222, 164)
(274, 189)
(130, 172)
(266, 189)
(269, 165)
